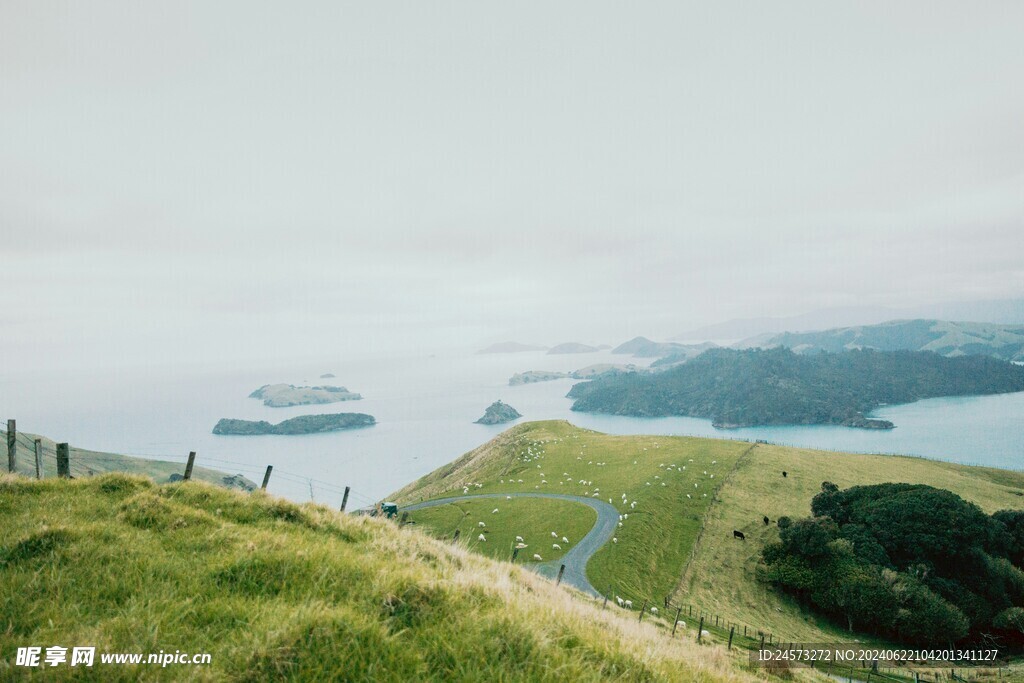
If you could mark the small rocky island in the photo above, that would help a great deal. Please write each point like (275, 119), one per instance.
(286, 395)
(304, 424)
(498, 413)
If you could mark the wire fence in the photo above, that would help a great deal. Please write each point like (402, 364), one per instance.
(42, 458)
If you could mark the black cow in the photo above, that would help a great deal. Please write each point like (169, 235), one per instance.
(739, 535)
(785, 473)
(766, 520)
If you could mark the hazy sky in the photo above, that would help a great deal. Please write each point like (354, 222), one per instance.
(210, 180)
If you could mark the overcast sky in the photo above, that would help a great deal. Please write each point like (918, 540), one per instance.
(209, 180)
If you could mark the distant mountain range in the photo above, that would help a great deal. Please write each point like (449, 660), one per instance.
(1004, 311)
(945, 338)
(642, 347)
(573, 347)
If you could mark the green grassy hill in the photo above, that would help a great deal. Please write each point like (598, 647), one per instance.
(278, 591)
(685, 546)
(671, 480)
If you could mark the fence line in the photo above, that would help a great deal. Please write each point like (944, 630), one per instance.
(26, 454)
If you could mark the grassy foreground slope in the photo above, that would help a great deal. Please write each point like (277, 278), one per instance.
(86, 463)
(721, 577)
(662, 486)
(278, 591)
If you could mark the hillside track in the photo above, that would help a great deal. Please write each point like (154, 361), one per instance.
(575, 560)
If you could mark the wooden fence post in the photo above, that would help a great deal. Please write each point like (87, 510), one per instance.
(404, 519)
(700, 629)
(561, 570)
(12, 444)
(762, 641)
(63, 461)
(642, 608)
(515, 554)
(344, 499)
(455, 537)
(266, 477)
(732, 629)
(188, 466)
(39, 458)
(676, 622)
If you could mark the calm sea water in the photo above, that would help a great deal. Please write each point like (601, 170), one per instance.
(425, 407)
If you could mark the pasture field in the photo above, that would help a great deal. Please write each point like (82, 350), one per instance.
(721, 578)
(534, 520)
(679, 538)
(662, 487)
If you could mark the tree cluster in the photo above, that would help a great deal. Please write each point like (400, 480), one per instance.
(909, 562)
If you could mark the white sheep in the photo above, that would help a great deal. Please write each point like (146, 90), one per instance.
(618, 600)
(494, 511)
(614, 540)
(554, 535)
(654, 610)
(519, 539)
(564, 539)
(555, 546)
(705, 633)
(629, 604)
(481, 525)
(481, 537)
(536, 557)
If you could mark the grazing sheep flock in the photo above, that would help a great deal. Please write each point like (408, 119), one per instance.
(532, 453)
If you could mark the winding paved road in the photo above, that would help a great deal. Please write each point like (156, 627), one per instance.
(575, 560)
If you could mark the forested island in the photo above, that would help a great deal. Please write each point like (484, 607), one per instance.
(778, 387)
(304, 424)
(286, 395)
